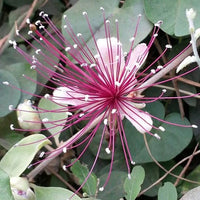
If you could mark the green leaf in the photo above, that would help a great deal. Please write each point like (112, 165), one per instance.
(167, 192)
(15, 3)
(192, 194)
(172, 13)
(195, 176)
(9, 95)
(53, 113)
(18, 158)
(53, 193)
(20, 69)
(81, 172)
(132, 186)
(164, 149)
(127, 16)
(5, 190)
(114, 188)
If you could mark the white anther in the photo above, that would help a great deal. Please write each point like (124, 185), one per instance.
(28, 102)
(156, 136)
(117, 83)
(107, 150)
(41, 154)
(105, 121)
(194, 126)
(5, 82)
(75, 46)
(129, 176)
(155, 35)
(79, 34)
(45, 120)
(12, 127)
(65, 26)
(64, 16)
(37, 22)
(41, 13)
(101, 189)
(101, 8)
(28, 21)
(16, 145)
(164, 90)
(131, 39)
(81, 115)
(86, 97)
(17, 32)
(84, 13)
(93, 65)
(46, 96)
(159, 67)
(96, 56)
(64, 149)
(116, 20)
(30, 32)
(153, 71)
(161, 128)
(29, 166)
(64, 167)
(41, 27)
(10, 107)
(84, 65)
(38, 51)
(125, 53)
(69, 113)
(67, 48)
(20, 119)
(107, 21)
(45, 15)
(168, 46)
(114, 111)
(41, 39)
(132, 162)
(33, 67)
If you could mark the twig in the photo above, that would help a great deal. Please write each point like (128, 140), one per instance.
(57, 152)
(64, 181)
(167, 69)
(167, 171)
(187, 165)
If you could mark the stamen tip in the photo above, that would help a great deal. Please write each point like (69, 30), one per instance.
(194, 126)
(168, 46)
(157, 136)
(101, 189)
(132, 162)
(12, 127)
(107, 150)
(64, 149)
(10, 107)
(129, 176)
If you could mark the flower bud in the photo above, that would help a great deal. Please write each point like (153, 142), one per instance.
(20, 189)
(28, 118)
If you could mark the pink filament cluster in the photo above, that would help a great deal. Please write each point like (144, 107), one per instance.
(90, 90)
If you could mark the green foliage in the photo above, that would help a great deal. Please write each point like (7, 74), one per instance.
(167, 192)
(18, 158)
(172, 13)
(5, 189)
(127, 16)
(52, 193)
(132, 186)
(81, 172)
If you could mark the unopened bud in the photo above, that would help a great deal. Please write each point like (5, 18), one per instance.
(28, 118)
(20, 189)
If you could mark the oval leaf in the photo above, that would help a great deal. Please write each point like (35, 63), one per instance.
(132, 186)
(167, 192)
(9, 96)
(5, 190)
(52, 193)
(172, 13)
(53, 115)
(164, 149)
(81, 172)
(127, 16)
(18, 158)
